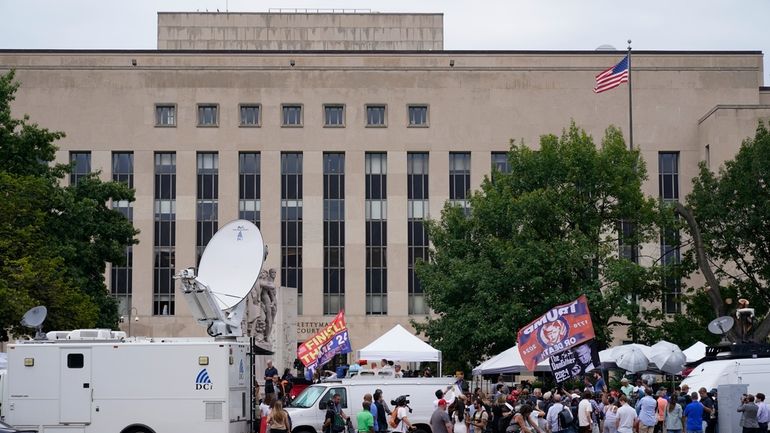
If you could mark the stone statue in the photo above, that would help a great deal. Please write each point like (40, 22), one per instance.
(255, 315)
(262, 307)
(268, 300)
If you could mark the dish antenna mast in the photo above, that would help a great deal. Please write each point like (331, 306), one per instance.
(228, 270)
(721, 326)
(34, 318)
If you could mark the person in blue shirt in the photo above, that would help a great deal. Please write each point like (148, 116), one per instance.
(599, 385)
(646, 408)
(693, 415)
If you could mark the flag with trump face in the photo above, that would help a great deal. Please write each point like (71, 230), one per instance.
(559, 329)
(612, 77)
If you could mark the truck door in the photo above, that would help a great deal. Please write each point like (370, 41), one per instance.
(75, 390)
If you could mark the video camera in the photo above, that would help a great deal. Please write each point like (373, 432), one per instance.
(401, 400)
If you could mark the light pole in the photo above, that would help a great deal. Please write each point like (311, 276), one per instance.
(136, 318)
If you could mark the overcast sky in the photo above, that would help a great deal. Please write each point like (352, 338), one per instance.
(468, 25)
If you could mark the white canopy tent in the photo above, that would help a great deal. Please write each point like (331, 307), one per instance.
(695, 352)
(400, 345)
(3, 360)
(508, 361)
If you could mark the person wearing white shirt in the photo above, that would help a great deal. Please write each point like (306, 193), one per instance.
(585, 412)
(763, 412)
(626, 416)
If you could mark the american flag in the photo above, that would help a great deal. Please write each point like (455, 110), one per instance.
(612, 77)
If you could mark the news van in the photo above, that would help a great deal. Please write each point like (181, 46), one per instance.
(2, 393)
(102, 381)
(308, 410)
(138, 385)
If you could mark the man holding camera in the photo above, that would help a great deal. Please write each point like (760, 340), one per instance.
(748, 411)
(402, 412)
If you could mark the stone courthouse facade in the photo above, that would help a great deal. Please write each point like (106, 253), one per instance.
(338, 134)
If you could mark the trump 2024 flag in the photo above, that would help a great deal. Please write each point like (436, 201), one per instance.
(559, 329)
(612, 77)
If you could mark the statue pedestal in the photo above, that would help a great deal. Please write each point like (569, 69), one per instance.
(283, 336)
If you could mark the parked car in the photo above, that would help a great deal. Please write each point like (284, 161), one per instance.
(7, 428)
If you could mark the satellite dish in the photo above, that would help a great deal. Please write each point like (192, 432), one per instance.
(231, 262)
(34, 318)
(721, 325)
(606, 47)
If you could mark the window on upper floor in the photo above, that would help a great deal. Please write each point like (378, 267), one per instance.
(418, 115)
(208, 115)
(291, 115)
(165, 115)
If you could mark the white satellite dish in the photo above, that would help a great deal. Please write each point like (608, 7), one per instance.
(721, 325)
(232, 261)
(229, 267)
(34, 318)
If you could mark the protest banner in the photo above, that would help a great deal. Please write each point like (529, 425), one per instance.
(331, 340)
(575, 361)
(559, 329)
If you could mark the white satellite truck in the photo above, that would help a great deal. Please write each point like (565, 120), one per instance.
(100, 381)
(731, 364)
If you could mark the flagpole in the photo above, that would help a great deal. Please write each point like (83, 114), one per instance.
(631, 147)
(630, 103)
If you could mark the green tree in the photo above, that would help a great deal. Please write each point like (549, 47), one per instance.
(539, 236)
(728, 217)
(54, 241)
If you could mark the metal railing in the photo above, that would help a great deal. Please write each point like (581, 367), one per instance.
(318, 11)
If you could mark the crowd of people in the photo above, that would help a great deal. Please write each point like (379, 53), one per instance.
(638, 408)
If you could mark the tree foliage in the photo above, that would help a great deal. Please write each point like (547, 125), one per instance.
(536, 237)
(54, 241)
(728, 216)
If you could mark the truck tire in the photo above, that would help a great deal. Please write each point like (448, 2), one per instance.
(303, 430)
(421, 428)
(137, 429)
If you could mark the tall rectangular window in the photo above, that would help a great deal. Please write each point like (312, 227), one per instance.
(627, 248)
(460, 179)
(164, 243)
(121, 277)
(376, 213)
(668, 179)
(417, 237)
(165, 115)
(291, 115)
(500, 162)
(376, 115)
(334, 232)
(207, 201)
(291, 223)
(418, 115)
(81, 166)
(249, 186)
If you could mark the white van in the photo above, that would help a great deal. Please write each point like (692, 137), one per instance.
(754, 372)
(2, 393)
(308, 410)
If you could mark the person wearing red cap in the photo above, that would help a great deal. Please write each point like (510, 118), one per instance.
(439, 421)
